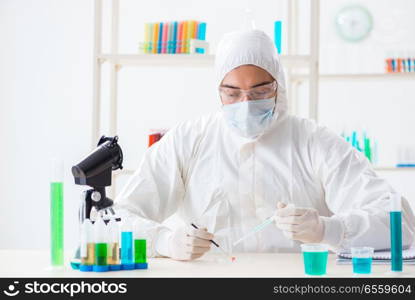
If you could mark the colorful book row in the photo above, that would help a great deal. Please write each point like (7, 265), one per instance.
(172, 37)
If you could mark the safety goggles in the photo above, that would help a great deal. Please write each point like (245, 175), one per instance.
(232, 95)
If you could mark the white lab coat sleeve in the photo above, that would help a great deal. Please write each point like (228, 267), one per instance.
(155, 190)
(357, 197)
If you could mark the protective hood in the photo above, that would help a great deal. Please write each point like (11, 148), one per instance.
(252, 47)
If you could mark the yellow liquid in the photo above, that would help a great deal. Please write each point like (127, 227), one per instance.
(90, 253)
(113, 254)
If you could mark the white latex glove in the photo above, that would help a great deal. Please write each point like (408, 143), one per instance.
(188, 243)
(297, 223)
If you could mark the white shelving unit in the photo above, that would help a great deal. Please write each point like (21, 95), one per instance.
(118, 60)
(307, 64)
(360, 77)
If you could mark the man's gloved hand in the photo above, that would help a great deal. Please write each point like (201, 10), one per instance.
(188, 243)
(297, 223)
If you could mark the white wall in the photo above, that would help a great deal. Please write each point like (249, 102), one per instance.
(383, 107)
(45, 106)
(46, 89)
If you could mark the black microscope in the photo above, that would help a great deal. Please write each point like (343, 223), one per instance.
(95, 171)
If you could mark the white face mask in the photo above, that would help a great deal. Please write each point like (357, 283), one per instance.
(249, 118)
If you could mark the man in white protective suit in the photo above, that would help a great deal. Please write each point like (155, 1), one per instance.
(229, 171)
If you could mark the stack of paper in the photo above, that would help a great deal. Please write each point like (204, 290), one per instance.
(380, 257)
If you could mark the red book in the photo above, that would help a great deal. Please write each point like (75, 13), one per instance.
(164, 38)
(179, 38)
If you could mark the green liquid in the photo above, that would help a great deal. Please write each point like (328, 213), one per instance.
(101, 254)
(56, 223)
(315, 263)
(140, 255)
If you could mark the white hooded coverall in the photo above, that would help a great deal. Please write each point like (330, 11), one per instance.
(201, 171)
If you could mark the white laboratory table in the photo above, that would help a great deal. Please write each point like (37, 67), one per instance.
(34, 263)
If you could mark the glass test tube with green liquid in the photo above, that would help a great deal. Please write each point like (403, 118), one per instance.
(140, 247)
(56, 213)
(101, 246)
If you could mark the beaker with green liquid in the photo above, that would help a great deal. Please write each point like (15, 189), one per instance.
(315, 258)
(56, 213)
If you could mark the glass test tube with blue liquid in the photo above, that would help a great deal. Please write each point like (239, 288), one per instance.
(127, 246)
(396, 232)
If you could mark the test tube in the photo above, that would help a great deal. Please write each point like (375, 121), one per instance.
(127, 254)
(140, 247)
(101, 246)
(56, 213)
(396, 232)
(277, 35)
(87, 246)
(114, 246)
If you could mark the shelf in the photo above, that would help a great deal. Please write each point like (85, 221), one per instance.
(186, 60)
(372, 76)
(362, 76)
(380, 168)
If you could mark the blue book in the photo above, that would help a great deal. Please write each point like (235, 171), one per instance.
(175, 27)
(160, 39)
(201, 35)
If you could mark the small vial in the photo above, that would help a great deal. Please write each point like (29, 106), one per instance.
(362, 259)
(87, 246)
(140, 247)
(101, 246)
(113, 246)
(127, 247)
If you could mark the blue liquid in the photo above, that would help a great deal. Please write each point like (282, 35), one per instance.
(315, 263)
(277, 35)
(362, 265)
(396, 240)
(127, 255)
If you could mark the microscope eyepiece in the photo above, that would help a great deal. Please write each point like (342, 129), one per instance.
(95, 170)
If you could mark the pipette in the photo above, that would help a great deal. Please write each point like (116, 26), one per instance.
(256, 229)
(217, 245)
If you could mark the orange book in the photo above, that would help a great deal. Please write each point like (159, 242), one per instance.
(195, 26)
(179, 41)
(184, 36)
(399, 65)
(389, 65)
(155, 37)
